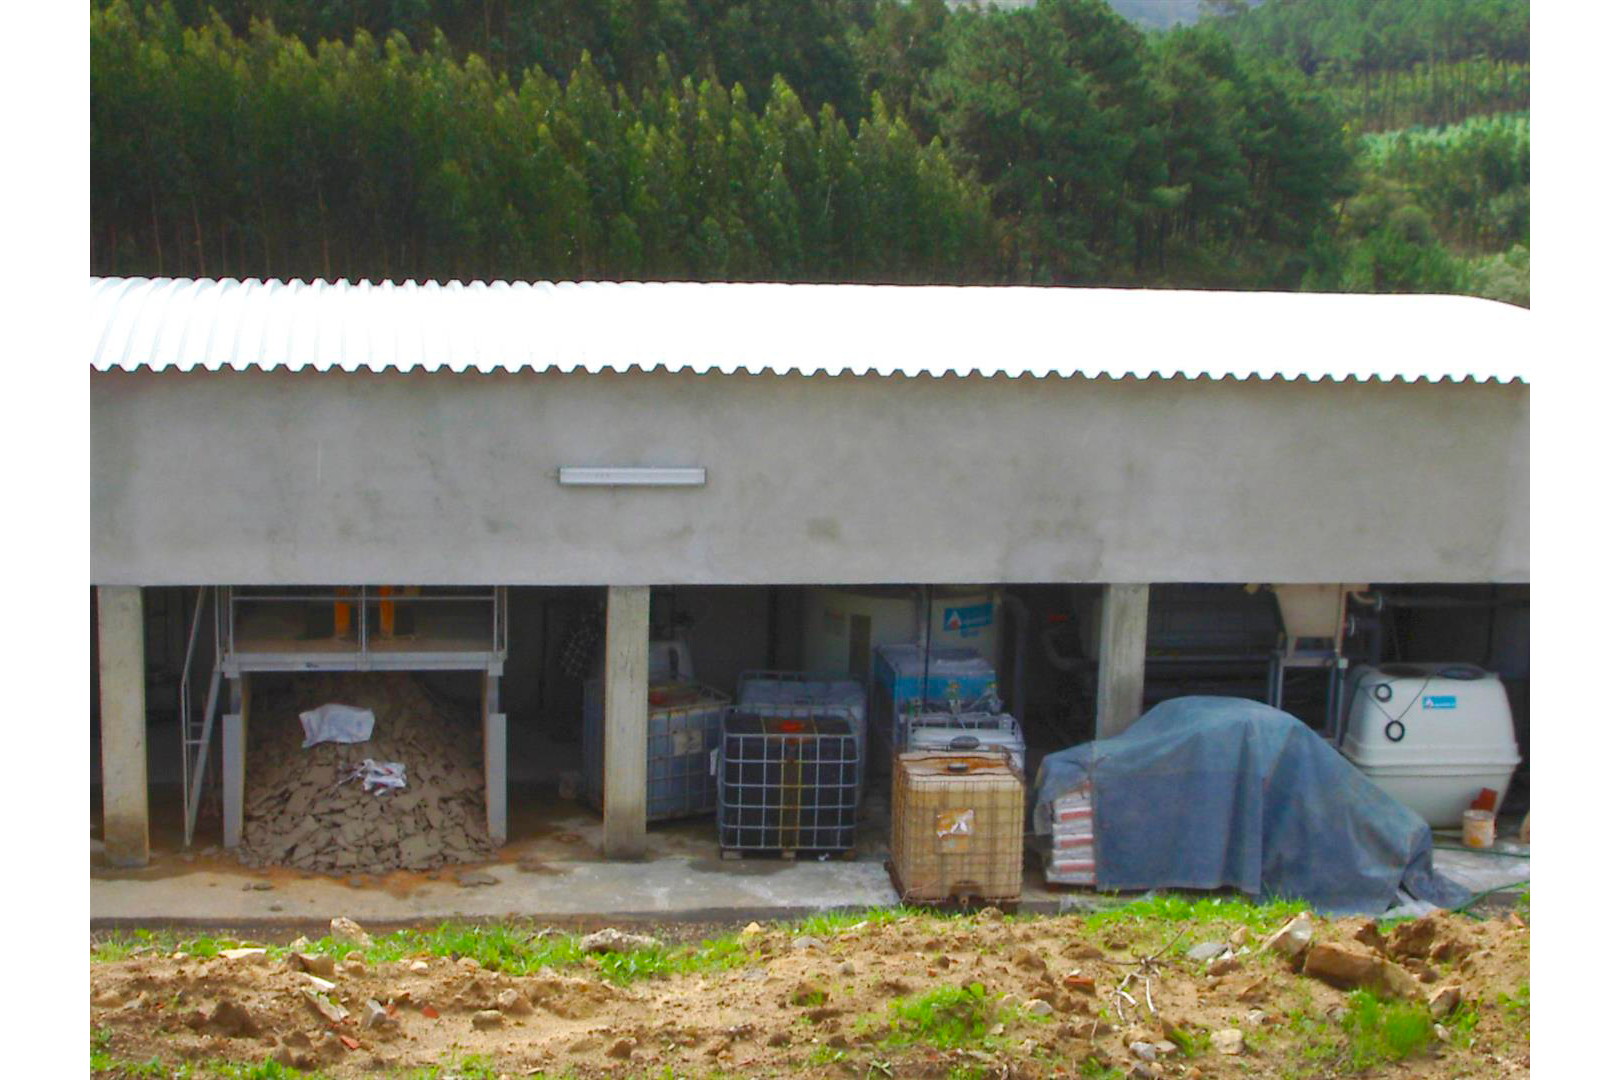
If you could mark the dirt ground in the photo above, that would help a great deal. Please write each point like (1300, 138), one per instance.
(803, 1005)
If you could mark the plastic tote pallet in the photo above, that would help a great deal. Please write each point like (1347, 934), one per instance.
(958, 828)
(957, 680)
(683, 731)
(783, 692)
(961, 732)
(787, 783)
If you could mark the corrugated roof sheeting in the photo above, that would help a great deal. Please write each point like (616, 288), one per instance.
(801, 329)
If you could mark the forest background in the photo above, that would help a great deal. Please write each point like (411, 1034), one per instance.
(1328, 145)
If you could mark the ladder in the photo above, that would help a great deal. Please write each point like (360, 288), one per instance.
(197, 727)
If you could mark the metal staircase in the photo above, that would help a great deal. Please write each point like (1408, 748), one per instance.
(197, 726)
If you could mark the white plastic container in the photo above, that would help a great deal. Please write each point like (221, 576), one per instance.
(1431, 735)
(966, 733)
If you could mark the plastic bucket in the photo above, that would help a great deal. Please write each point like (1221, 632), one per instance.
(1479, 829)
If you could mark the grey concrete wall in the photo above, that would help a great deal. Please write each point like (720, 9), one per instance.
(283, 477)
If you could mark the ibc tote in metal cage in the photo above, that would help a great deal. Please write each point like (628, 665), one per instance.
(958, 828)
(787, 781)
(769, 692)
(683, 731)
(964, 731)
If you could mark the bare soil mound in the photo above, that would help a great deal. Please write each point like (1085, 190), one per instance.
(854, 1000)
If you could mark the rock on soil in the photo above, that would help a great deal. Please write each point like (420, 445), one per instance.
(299, 813)
(320, 964)
(1227, 1041)
(615, 941)
(1292, 939)
(1351, 966)
(1444, 1000)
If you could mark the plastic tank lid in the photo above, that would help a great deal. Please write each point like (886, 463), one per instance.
(1463, 672)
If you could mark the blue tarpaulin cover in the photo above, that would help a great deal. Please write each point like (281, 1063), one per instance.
(1212, 792)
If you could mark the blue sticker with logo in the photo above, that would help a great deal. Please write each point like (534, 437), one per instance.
(1439, 701)
(968, 621)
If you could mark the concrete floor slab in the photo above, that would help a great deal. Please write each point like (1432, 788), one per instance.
(552, 869)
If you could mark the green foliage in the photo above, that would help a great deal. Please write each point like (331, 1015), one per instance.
(1516, 1006)
(737, 41)
(216, 153)
(1217, 913)
(827, 923)
(826, 140)
(1191, 1044)
(509, 948)
(1472, 178)
(947, 1018)
(825, 1055)
(1384, 1031)
(1396, 62)
(1462, 1023)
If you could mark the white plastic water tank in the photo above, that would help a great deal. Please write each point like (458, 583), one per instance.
(1431, 735)
(843, 626)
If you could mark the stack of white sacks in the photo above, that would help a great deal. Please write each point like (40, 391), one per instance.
(1073, 858)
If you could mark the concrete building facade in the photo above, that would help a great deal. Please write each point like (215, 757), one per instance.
(262, 434)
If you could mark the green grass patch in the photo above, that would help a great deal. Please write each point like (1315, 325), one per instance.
(1191, 1043)
(1461, 1023)
(509, 948)
(1516, 1006)
(1384, 1031)
(1161, 917)
(948, 1018)
(825, 1055)
(828, 923)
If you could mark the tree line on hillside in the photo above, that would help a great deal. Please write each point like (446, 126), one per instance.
(1053, 144)
(1068, 149)
(214, 154)
(1395, 63)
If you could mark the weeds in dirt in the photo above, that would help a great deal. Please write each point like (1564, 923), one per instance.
(947, 1018)
(1191, 1044)
(512, 949)
(825, 1055)
(1516, 1006)
(1384, 1031)
(1174, 909)
(828, 923)
(1318, 1044)
(1461, 1023)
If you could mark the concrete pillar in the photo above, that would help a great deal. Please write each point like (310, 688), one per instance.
(233, 757)
(1122, 658)
(121, 655)
(494, 760)
(624, 749)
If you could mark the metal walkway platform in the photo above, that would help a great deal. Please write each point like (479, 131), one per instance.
(366, 628)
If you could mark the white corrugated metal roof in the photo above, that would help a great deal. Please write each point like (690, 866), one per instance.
(856, 329)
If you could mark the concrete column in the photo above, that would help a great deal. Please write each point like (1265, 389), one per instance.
(121, 655)
(624, 749)
(494, 760)
(233, 756)
(1122, 658)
